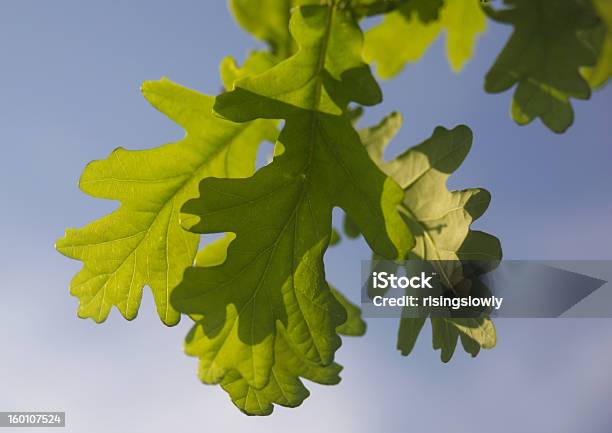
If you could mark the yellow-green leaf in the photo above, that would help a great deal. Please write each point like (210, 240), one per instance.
(440, 221)
(405, 35)
(142, 243)
(268, 21)
(285, 386)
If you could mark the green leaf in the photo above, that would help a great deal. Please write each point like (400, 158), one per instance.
(440, 221)
(405, 35)
(274, 275)
(256, 63)
(215, 253)
(475, 334)
(543, 57)
(599, 75)
(354, 326)
(441, 226)
(464, 21)
(268, 21)
(408, 334)
(285, 386)
(142, 243)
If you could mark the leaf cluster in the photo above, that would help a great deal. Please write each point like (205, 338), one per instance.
(265, 317)
(558, 50)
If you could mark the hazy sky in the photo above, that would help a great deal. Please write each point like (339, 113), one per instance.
(69, 93)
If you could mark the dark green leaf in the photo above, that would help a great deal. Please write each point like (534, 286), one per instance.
(543, 58)
(273, 277)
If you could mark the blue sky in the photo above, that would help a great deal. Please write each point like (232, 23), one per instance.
(69, 85)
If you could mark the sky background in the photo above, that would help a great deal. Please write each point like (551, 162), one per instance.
(69, 93)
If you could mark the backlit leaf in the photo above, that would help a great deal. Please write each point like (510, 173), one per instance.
(274, 277)
(285, 386)
(440, 221)
(354, 326)
(543, 57)
(142, 243)
(405, 35)
(268, 21)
